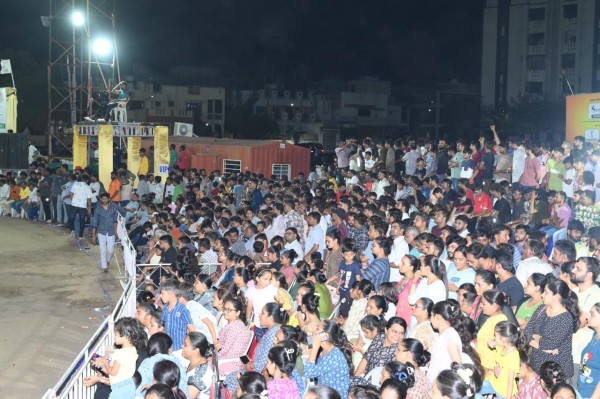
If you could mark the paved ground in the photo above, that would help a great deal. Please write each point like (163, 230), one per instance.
(53, 298)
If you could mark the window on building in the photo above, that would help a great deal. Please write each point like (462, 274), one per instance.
(570, 37)
(280, 170)
(536, 63)
(535, 88)
(536, 39)
(568, 61)
(171, 103)
(570, 11)
(194, 90)
(537, 14)
(157, 104)
(364, 112)
(232, 166)
(215, 109)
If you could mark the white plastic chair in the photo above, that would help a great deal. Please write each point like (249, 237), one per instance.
(119, 113)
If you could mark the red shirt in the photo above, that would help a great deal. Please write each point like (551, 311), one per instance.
(481, 204)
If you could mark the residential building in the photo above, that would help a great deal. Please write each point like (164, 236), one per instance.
(533, 47)
(204, 107)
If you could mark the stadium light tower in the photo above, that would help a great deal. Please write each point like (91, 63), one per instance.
(71, 24)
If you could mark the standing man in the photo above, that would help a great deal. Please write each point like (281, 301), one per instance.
(45, 187)
(60, 179)
(81, 205)
(294, 219)
(343, 153)
(315, 241)
(443, 160)
(144, 166)
(256, 195)
(399, 249)
(114, 189)
(104, 229)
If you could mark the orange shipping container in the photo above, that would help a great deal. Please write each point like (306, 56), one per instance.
(269, 157)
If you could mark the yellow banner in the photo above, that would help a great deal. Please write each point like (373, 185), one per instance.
(11, 109)
(161, 152)
(133, 156)
(80, 149)
(105, 151)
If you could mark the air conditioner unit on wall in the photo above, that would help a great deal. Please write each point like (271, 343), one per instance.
(183, 129)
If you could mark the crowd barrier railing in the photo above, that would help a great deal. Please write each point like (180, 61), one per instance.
(71, 383)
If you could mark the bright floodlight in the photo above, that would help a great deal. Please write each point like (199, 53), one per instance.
(77, 18)
(102, 47)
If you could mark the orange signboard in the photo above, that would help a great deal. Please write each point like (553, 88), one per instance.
(583, 116)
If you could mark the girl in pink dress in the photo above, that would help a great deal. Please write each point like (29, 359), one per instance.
(280, 366)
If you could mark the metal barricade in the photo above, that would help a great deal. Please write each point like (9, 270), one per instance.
(71, 385)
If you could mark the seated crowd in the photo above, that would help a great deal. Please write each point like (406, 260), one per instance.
(442, 271)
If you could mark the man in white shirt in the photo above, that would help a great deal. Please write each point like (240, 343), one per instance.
(291, 242)
(95, 187)
(518, 165)
(531, 262)
(315, 240)
(277, 227)
(383, 182)
(351, 180)
(33, 151)
(81, 205)
(399, 249)
(157, 188)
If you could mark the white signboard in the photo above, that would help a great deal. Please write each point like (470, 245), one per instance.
(163, 169)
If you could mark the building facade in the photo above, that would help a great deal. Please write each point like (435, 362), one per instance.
(204, 107)
(539, 48)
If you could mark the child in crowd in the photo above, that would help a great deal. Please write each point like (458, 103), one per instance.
(280, 365)
(283, 297)
(121, 365)
(529, 386)
(349, 273)
(359, 294)
(177, 318)
(258, 296)
(506, 356)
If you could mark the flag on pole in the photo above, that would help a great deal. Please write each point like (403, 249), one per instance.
(5, 67)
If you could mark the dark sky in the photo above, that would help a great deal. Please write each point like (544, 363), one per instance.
(295, 41)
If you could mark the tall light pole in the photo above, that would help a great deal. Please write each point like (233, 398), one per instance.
(66, 98)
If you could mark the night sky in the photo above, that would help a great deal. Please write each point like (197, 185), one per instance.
(296, 42)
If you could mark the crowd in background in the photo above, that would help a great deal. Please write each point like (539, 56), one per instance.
(406, 269)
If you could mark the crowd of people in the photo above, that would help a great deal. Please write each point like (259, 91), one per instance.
(405, 270)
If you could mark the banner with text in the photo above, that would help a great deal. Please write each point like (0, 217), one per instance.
(583, 116)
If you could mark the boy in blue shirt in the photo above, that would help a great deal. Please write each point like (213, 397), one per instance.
(177, 318)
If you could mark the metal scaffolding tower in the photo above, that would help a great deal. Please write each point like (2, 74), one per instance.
(74, 70)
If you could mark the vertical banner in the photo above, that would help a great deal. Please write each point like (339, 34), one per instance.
(3, 128)
(583, 116)
(8, 109)
(161, 152)
(105, 151)
(133, 156)
(11, 109)
(80, 148)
